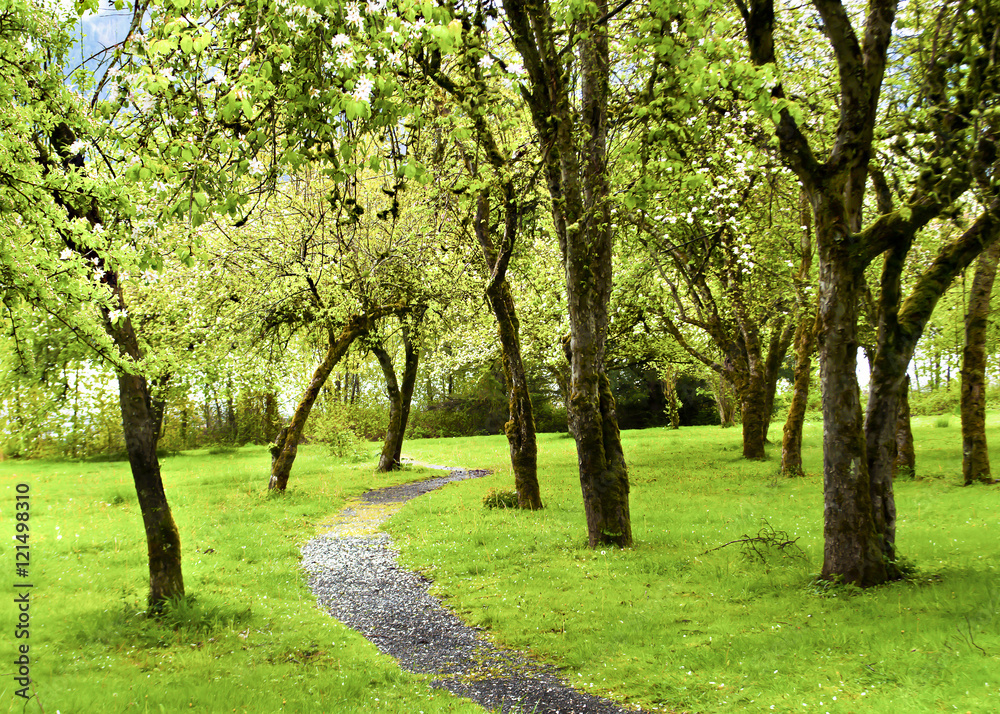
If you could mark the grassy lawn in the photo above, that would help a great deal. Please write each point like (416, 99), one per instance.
(670, 624)
(673, 625)
(253, 640)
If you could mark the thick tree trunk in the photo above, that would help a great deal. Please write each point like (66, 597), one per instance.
(975, 453)
(752, 411)
(575, 151)
(905, 465)
(286, 446)
(852, 551)
(400, 398)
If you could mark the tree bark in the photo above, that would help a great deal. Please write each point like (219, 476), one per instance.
(520, 427)
(975, 452)
(142, 415)
(497, 250)
(905, 465)
(574, 147)
(669, 382)
(791, 442)
(852, 551)
(286, 446)
(781, 340)
(400, 396)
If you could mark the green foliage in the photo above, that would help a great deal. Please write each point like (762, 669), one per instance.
(942, 422)
(500, 499)
(666, 625)
(335, 428)
(248, 638)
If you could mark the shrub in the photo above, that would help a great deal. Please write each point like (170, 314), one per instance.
(500, 499)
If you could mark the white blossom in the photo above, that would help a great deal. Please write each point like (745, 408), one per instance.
(353, 15)
(485, 61)
(66, 254)
(363, 89)
(341, 40)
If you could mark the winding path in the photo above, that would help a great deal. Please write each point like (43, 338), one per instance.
(353, 572)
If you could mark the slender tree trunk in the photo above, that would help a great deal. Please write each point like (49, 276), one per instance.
(141, 418)
(791, 442)
(975, 453)
(906, 459)
(520, 427)
(781, 340)
(286, 445)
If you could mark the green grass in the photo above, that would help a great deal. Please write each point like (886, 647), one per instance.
(252, 638)
(664, 624)
(670, 626)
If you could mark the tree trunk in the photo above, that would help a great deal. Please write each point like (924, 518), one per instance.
(520, 427)
(852, 550)
(781, 340)
(400, 398)
(752, 401)
(575, 151)
(286, 446)
(724, 403)
(975, 453)
(791, 442)
(141, 418)
(669, 382)
(905, 465)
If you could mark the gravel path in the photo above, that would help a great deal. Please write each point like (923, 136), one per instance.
(353, 572)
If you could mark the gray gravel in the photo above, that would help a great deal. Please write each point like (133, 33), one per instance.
(357, 580)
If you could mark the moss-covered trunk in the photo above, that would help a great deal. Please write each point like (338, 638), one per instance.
(520, 427)
(791, 441)
(574, 147)
(975, 452)
(906, 458)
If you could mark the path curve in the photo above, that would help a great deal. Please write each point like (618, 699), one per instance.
(353, 572)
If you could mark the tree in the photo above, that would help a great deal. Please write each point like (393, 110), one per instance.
(975, 454)
(573, 144)
(69, 224)
(482, 103)
(859, 526)
(400, 393)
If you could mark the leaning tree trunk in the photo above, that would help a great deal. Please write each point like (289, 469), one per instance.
(975, 453)
(286, 445)
(142, 415)
(905, 465)
(400, 398)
